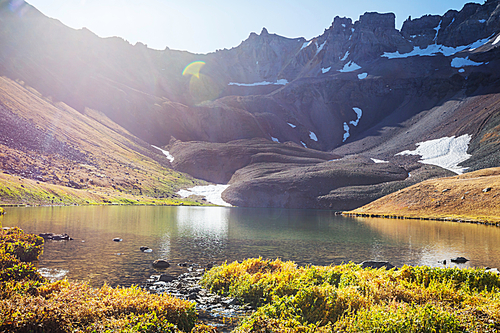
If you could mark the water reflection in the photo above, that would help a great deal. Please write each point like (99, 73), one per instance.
(210, 234)
(441, 240)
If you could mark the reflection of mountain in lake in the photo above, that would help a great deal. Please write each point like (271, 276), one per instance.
(442, 240)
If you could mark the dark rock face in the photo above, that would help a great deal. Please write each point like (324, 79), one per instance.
(422, 31)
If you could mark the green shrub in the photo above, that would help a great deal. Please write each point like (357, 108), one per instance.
(28, 303)
(26, 247)
(347, 298)
(403, 318)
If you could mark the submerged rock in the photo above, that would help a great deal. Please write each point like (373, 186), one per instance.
(52, 236)
(161, 263)
(377, 264)
(459, 260)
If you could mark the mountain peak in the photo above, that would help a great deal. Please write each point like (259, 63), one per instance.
(264, 32)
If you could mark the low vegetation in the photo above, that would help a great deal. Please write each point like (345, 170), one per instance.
(29, 303)
(15, 191)
(347, 298)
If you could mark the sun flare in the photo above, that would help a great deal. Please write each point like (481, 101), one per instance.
(193, 68)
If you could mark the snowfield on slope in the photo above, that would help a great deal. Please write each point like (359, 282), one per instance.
(351, 66)
(213, 193)
(166, 153)
(462, 62)
(263, 83)
(446, 152)
(434, 49)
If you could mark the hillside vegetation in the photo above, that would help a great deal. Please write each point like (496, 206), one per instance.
(472, 196)
(52, 154)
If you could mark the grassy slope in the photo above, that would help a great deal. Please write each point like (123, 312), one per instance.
(110, 164)
(460, 197)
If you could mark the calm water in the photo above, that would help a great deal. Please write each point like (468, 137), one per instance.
(205, 235)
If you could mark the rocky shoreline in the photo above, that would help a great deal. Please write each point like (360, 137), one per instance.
(224, 313)
(403, 217)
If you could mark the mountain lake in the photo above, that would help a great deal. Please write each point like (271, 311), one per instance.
(212, 235)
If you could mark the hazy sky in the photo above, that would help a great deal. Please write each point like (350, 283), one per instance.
(203, 26)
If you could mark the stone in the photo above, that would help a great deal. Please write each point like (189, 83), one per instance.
(56, 237)
(161, 263)
(166, 278)
(459, 260)
(117, 239)
(145, 249)
(376, 264)
(487, 189)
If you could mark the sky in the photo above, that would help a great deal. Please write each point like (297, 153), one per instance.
(203, 26)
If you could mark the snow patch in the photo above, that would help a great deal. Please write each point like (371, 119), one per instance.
(434, 49)
(343, 24)
(325, 70)
(263, 83)
(213, 193)
(362, 76)
(379, 161)
(350, 67)
(303, 144)
(346, 134)
(481, 21)
(275, 139)
(320, 47)
(461, 62)
(497, 40)
(446, 152)
(306, 44)
(461, 70)
(437, 30)
(166, 153)
(292, 125)
(359, 113)
(313, 136)
(345, 56)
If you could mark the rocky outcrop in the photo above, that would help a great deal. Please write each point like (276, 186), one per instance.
(300, 187)
(218, 162)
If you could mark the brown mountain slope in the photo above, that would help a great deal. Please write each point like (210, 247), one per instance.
(473, 196)
(53, 143)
